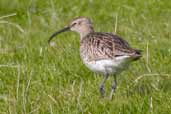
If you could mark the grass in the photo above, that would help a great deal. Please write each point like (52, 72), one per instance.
(36, 78)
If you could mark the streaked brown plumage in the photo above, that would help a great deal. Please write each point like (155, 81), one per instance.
(102, 52)
(98, 46)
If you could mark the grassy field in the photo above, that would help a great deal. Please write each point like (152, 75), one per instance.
(38, 79)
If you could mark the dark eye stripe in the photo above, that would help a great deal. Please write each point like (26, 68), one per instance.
(73, 24)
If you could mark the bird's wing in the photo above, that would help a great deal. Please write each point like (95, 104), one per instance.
(105, 45)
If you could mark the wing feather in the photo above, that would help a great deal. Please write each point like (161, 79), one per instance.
(97, 46)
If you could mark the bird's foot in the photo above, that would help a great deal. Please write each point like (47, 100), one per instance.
(102, 91)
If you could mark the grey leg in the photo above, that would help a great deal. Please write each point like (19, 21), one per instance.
(101, 87)
(113, 87)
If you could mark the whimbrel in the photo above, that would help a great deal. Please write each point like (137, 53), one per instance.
(103, 53)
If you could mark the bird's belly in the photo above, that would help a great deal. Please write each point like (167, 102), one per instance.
(111, 66)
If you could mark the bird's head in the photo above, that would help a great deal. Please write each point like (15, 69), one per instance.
(81, 25)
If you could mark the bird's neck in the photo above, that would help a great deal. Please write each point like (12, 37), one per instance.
(86, 31)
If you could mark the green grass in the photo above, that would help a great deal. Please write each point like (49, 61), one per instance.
(36, 78)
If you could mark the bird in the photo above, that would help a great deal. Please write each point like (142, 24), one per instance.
(104, 53)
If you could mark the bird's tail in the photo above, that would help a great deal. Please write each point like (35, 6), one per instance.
(137, 54)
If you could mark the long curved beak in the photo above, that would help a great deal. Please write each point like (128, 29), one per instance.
(58, 32)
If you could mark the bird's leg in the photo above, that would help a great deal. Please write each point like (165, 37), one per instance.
(113, 87)
(101, 87)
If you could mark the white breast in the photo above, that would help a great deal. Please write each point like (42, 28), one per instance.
(111, 66)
